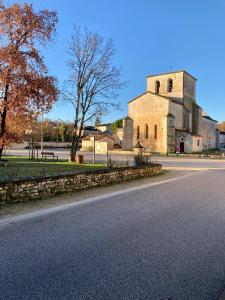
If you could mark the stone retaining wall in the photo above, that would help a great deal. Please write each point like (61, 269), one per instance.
(25, 189)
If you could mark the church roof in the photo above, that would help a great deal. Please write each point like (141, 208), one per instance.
(137, 97)
(148, 92)
(127, 118)
(208, 118)
(177, 102)
(166, 73)
(170, 115)
(188, 132)
(198, 106)
(163, 96)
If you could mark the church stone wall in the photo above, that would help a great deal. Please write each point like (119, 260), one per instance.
(157, 109)
(127, 141)
(177, 110)
(171, 135)
(150, 110)
(196, 119)
(209, 133)
(197, 144)
(189, 91)
(222, 140)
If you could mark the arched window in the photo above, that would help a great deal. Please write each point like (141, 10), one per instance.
(155, 132)
(138, 132)
(146, 131)
(157, 87)
(170, 85)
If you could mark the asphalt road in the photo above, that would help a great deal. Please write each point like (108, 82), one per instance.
(162, 242)
(167, 162)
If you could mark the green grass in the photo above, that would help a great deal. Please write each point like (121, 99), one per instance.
(20, 167)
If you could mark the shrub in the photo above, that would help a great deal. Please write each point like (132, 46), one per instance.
(143, 159)
(113, 163)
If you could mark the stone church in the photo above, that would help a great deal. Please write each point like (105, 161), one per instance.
(168, 117)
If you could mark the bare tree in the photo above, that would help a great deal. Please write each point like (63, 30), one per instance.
(94, 80)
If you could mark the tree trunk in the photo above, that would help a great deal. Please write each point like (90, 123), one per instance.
(3, 120)
(75, 140)
(75, 144)
(1, 151)
(73, 151)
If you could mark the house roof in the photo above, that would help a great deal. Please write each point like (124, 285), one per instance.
(166, 73)
(97, 137)
(90, 128)
(105, 124)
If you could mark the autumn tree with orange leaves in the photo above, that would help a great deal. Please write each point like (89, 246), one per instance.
(25, 87)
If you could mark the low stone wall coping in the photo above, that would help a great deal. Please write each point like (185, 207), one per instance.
(69, 174)
(34, 188)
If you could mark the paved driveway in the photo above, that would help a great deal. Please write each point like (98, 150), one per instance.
(162, 242)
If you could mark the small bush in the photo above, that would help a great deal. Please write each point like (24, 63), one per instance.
(113, 163)
(142, 159)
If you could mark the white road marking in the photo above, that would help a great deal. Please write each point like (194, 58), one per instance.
(11, 220)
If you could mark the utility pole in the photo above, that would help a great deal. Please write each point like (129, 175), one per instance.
(58, 124)
(93, 150)
(107, 156)
(42, 135)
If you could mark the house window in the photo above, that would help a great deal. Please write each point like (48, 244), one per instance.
(170, 85)
(157, 87)
(138, 132)
(198, 143)
(155, 132)
(146, 131)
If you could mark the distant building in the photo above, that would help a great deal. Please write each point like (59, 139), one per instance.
(88, 142)
(222, 140)
(105, 127)
(168, 116)
(89, 130)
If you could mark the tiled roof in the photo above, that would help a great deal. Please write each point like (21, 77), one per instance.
(97, 137)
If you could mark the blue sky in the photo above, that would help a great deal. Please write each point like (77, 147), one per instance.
(150, 37)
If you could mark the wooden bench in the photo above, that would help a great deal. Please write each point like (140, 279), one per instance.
(49, 154)
(3, 162)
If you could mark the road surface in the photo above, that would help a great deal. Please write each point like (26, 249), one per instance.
(165, 241)
(167, 162)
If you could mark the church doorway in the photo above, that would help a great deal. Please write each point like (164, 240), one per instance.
(181, 147)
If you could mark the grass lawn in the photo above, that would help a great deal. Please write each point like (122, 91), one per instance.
(19, 167)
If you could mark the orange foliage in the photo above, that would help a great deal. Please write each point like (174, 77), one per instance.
(25, 87)
(221, 126)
